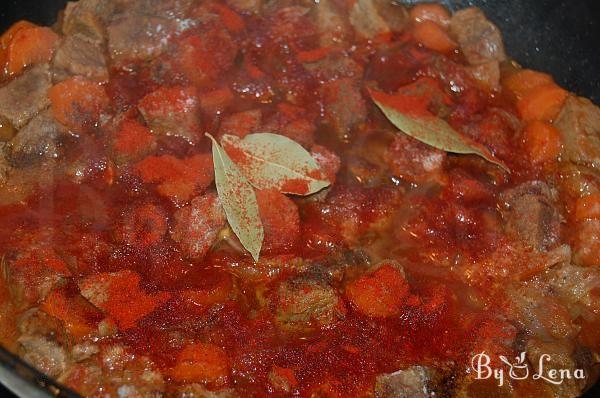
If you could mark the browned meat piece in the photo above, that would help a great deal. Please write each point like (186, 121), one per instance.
(241, 123)
(413, 382)
(128, 375)
(45, 355)
(23, 97)
(331, 23)
(304, 305)
(393, 13)
(365, 19)
(488, 75)
(538, 310)
(579, 127)
(246, 6)
(293, 122)
(37, 140)
(143, 226)
(167, 8)
(172, 111)
(576, 286)
(530, 214)
(76, 55)
(479, 39)
(586, 246)
(5, 164)
(197, 225)
(151, 36)
(561, 354)
(199, 391)
(412, 160)
(334, 66)
(88, 17)
(345, 108)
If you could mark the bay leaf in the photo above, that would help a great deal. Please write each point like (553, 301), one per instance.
(411, 116)
(273, 161)
(239, 201)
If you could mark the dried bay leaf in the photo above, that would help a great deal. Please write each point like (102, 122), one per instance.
(239, 201)
(273, 161)
(411, 116)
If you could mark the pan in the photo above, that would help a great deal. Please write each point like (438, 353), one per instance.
(559, 37)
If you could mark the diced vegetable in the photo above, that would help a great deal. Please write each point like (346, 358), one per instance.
(542, 142)
(78, 103)
(521, 83)
(542, 103)
(30, 46)
(381, 293)
(432, 36)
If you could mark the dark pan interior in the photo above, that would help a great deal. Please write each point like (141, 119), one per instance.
(559, 37)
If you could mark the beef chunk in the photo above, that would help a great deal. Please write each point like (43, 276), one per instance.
(412, 160)
(393, 13)
(23, 97)
(281, 220)
(78, 56)
(178, 179)
(575, 286)
(38, 139)
(586, 246)
(241, 123)
(331, 23)
(197, 225)
(304, 305)
(345, 108)
(479, 39)
(5, 163)
(366, 20)
(579, 127)
(530, 214)
(293, 122)
(413, 382)
(142, 226)
(333, 66)
(246, 6)
(150, 34)
(166, 8)
(88, 18)
(45, 355)
(172, 111)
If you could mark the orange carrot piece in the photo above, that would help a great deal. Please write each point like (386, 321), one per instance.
(203, 363)
(542, 103)
(519, 84)
(588, 208)
(432, 36)
(7, 37)
(542, 142)
(430, 12)
(78, 103)
(381, 293)
(30, 46)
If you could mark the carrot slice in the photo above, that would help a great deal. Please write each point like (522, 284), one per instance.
(542, 142)
(7, 37)
(520, 83)
(78, 103)
(542, 103)
(30, 46)
(432, 36)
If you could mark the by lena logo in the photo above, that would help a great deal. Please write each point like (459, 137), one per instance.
(519, 369)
